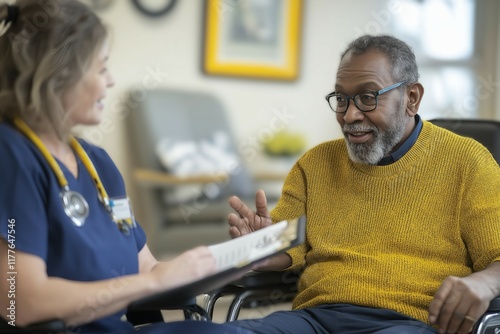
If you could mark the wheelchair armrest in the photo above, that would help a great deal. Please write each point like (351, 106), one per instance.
(160, 304)
(258, 279)
(494, 305)
(147, 305)
(255, 288)
(50, 326)
(44, 327)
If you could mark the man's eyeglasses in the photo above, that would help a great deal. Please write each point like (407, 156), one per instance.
(366, 101)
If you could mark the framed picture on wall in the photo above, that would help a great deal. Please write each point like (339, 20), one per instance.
(252, 38)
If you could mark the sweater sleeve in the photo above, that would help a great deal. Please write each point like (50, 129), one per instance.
(480, 210)
(292, 204)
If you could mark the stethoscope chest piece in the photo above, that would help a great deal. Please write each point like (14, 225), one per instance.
(75, 206)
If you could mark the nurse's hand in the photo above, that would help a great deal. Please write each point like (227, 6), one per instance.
(245, 220)
(187, 267)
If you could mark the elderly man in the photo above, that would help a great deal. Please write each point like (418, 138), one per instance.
(403, 217)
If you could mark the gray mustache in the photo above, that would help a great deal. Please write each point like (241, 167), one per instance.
(354, 128)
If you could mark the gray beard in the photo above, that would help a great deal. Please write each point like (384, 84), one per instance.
(383, 143)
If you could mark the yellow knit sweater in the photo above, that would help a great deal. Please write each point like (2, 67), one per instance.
(387, 236)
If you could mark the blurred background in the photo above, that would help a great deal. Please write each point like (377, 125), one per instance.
(456, 43)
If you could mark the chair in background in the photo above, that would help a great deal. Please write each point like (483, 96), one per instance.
(266, 288)
(185, 118)
(487, 132)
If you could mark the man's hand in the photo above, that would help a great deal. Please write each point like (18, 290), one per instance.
(459, 303)
(245, 220)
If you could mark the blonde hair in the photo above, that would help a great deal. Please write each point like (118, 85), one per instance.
(45, 51)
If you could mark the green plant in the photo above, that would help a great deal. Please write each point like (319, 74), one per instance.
(285, 143)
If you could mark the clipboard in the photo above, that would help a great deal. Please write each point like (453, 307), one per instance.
(270, 241)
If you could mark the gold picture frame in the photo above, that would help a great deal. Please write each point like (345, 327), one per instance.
(253, 39)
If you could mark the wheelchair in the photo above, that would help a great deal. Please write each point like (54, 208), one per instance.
(268, 288)
(272, 288)
(255, 289)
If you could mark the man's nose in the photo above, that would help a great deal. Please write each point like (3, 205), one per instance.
(353, 114)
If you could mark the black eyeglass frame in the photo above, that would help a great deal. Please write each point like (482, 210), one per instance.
(376, 94)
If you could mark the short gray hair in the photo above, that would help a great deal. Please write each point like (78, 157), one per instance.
(399, 54)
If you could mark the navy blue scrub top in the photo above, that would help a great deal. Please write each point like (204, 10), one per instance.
(29, 194)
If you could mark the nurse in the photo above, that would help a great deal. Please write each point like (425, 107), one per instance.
(70, 248)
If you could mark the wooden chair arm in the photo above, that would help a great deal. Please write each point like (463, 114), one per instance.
(157, 179)
(269, 176)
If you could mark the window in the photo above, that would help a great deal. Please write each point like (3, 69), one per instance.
(442, 35)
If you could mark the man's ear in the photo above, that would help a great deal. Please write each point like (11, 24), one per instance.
(415, 93)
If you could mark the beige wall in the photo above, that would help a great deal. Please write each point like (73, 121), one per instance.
(171, 47)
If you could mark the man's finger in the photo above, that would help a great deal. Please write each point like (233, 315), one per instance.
(234, 232)
(471, 316)
(438, 301)
(434, 309)
(467, 324)
(458, 317)
(238, 226)
(452, 311)
(240, 207)
(261, 203)
(233, 219)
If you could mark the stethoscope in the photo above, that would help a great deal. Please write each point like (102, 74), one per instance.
(74, 204)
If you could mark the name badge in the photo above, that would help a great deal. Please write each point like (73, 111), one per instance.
(122, 211)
